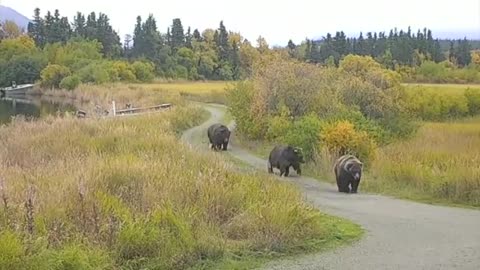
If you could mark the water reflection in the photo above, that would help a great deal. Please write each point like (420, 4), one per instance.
(31, 107)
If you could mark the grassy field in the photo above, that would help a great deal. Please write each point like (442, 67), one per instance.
(209, 92)
(439, 165)
(190, 87)
(125, 193)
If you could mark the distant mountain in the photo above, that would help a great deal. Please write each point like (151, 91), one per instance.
(10, 14)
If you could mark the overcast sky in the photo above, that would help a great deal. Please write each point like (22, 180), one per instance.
(278, 20)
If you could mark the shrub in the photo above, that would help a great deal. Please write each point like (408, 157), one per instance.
(144, 71)
(125, 71)
(240, 98)
(21, 69)
(95, 72)
(374, 129)
(341, 138)
(473, 100)
(70, 82)
(279, 126)
(53, 74)
(304, 134)
(436, 104)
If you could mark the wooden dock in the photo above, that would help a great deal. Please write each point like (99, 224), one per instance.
(126, 112)
(134, 111)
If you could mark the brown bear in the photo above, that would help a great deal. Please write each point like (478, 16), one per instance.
(348, 171)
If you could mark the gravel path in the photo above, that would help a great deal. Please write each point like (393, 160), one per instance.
(399, 234)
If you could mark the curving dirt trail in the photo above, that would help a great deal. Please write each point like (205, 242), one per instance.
(399, 234)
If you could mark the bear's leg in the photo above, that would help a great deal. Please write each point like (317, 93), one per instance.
(270, 167)
(343, 185)
(282, 171)
(287, 171)
(355, 184)
(224, 146)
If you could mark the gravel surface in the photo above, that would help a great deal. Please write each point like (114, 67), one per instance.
(399, 234)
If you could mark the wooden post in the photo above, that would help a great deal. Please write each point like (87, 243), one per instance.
(113, 108)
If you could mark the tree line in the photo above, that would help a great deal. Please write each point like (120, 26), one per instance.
(218, 54)
(396, 48)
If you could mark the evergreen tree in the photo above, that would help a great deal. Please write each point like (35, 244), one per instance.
(138, 38)
(151, 38)
(79, 25)
(462, 53)
(49, 25)
(223, 46)
(178, 36)
(340, 44)
(437, 55)
(36, 29)
(380, 45)
(107, 36)
(369, 44)
(315, 56)
(197, 36)
(451, 53)
(188, 39)
(91, 26)
(361, 46)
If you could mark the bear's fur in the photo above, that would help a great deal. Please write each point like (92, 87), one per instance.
(348, 172)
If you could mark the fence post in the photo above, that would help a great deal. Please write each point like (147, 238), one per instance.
(113, 108)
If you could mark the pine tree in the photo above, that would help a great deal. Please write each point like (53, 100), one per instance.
(197, 36)
(49, 25)
(462, 53)
(55, 30)
(437, 55)
(223, 46)
(91, 26)
(340, 44)
(361, 46)
(369, 44)
(79, 25)
(178, 36)
(151, 38)
(451, 53)
(107, 36)
(188, 39)
(138, 38)
(36, 29)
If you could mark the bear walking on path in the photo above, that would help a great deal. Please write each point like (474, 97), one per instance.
(348, 172)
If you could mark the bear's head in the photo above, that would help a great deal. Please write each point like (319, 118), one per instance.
(354, 167)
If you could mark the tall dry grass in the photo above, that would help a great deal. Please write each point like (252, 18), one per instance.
(125, 193)
(439, 164)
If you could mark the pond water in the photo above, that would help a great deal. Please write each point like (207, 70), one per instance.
(35, 108)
